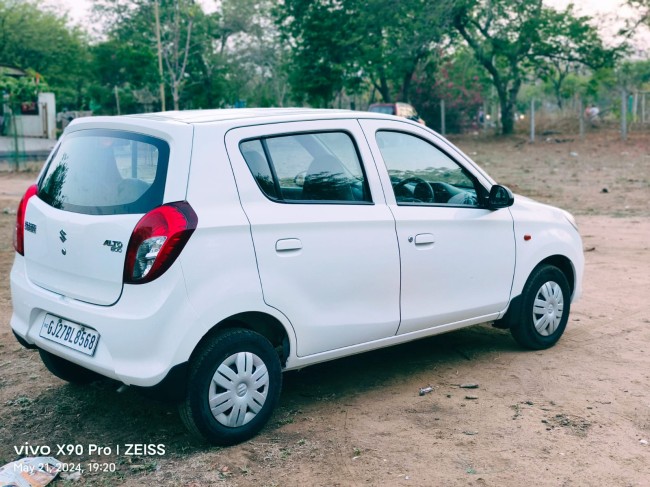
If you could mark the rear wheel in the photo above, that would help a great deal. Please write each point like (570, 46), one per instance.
(234, 385)
(66, 370)
(545, 306)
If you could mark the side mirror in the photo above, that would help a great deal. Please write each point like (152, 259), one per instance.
(500, 197)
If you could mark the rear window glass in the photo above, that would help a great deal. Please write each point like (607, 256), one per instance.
(308, 167)
(106, 172)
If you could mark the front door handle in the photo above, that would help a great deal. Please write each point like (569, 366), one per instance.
(287, 244)
(424, 239)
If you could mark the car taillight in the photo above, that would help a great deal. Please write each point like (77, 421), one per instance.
(19, 230)
(157, 241)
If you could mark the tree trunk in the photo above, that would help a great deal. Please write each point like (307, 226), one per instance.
(176, 95)
(384, 90)
(507, 117)
(507, 100)
(406, 85)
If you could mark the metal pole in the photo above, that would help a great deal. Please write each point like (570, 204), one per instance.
(485, 116)
(160, 63)
(442, 117)
(643, 108)
(532, 120)
(14, 125)
(623, 114)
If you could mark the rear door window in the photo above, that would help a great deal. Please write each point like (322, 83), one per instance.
(311, 167)
(106, 172)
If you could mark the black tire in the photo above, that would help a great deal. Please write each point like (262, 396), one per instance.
(550, 285)
(224, 349)
(66, 370)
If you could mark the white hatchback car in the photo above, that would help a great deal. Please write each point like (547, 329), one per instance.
(199, 254)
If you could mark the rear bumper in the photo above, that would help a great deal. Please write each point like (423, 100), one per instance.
(21, 340)
(139, 335)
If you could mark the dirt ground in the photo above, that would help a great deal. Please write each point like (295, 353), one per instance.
(575, 415)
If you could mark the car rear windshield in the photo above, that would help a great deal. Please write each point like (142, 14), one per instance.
(106, 172)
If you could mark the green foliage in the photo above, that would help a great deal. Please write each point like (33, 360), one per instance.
(514, 40)
(132, 43)
(19, 90)
(209, 60)
(352, 45)
(263, 53)
(458, 80)
(633, 74)
(33, 38)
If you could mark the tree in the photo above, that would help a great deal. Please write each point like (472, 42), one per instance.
(643, 8)
(352, 44)
(132, 23)
(208, 58)
(512, 39)
(246, 63)
(32, 38)
(458, 80)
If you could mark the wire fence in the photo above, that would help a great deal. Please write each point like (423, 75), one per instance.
(625, 111)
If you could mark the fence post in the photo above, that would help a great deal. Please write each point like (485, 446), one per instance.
(643, 108)
(624, 114)
(485, 116)
(442, 117)
(581, 117)
(532, 120)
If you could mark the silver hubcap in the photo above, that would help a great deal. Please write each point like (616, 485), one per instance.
(238, 389)
(548, 308)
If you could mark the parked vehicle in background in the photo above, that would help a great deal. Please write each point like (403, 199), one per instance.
(398, 109)
(199, 254)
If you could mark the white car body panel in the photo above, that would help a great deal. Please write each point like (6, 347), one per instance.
(138, 343)
(550, 235)
(463, 253)
(219, 262)
(77, 265)
(344, 258)
(338, 295)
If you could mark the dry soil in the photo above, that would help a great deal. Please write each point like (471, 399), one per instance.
(575, 415)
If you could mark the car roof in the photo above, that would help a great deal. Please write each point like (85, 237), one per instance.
(227, 118)
(243, 114)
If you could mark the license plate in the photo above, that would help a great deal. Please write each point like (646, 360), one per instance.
(72, 335)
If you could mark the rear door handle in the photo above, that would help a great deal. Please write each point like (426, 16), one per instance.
(286, 244)
(424, 239)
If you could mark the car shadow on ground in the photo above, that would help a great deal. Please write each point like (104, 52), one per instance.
(397, 364)
(65, 414)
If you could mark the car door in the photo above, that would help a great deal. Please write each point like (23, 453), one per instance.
(457, 257)
(324, 238)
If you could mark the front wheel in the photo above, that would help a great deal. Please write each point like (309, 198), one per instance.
(234, 385)
(545, 306)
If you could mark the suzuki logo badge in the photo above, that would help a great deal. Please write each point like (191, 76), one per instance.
(62, 236)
